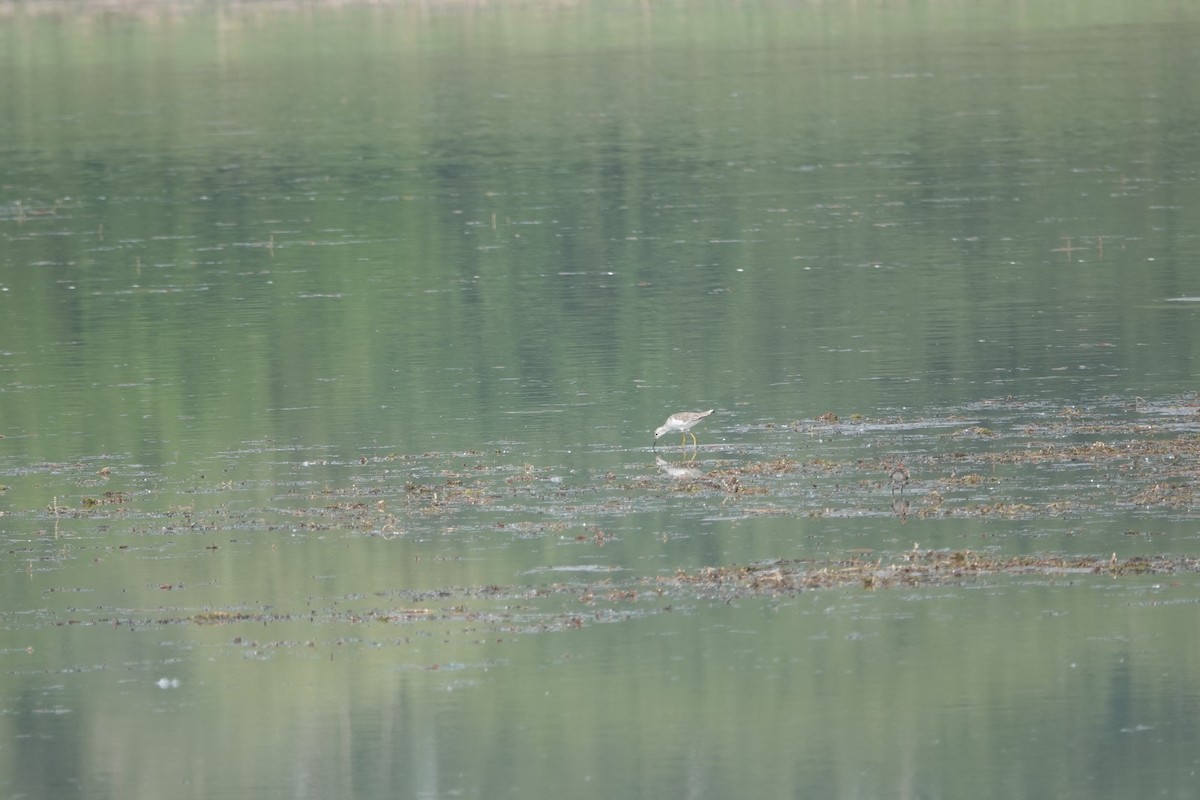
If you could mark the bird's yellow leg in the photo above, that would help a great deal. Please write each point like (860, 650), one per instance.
(694, 442)
(683, 439)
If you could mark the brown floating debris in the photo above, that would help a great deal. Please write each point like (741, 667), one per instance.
(925, 568)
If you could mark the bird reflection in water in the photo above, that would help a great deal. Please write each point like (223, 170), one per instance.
(679, 471)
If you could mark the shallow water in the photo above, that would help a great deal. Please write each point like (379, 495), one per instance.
(333, 340)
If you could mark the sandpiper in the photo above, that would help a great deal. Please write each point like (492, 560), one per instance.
(899, 477)
(682, 421)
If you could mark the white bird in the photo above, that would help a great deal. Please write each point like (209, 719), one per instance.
(682, 421)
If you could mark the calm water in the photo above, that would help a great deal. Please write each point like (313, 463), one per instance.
(332, 340)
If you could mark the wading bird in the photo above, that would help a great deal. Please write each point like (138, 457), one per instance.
(682, 421)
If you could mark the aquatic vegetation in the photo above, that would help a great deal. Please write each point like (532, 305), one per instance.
(1064, 467)
(924, 568)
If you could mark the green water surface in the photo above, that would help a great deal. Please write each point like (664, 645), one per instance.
(332, 340)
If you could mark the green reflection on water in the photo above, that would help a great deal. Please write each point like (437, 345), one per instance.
(244, 249)
(268, 234)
